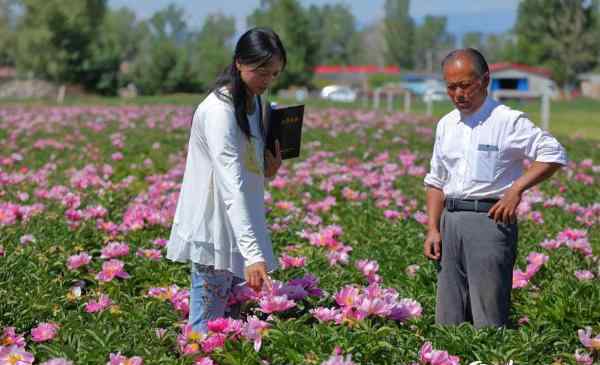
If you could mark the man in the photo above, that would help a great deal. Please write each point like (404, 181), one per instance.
(473, 190)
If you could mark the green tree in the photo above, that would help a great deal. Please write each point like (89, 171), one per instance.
(8, 36)
(433, 42)
(55, 37)
(290, 21)
(339, 39)
(399, 33)
(162, 64)
(560, 34)
(212, 48)
(117, 44)
(473, 40)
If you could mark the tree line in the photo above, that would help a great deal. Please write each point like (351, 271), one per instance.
(86, 42)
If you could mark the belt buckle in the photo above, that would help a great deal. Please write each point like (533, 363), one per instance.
(451, 205)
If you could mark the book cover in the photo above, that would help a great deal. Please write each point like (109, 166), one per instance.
(284, 123)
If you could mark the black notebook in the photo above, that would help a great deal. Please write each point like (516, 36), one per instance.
(284, 123)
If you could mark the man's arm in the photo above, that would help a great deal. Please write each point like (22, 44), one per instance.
(505, 210)
(435, 205)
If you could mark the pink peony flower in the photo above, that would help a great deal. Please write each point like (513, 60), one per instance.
(205, 360)
(225, 325)
(79, 260)
(289, 261)
(58, 361)
(26, 239)
(112, 269)
(591, 343)
(118, 359)
(537, 259)
(411, 270)
(14, 355)
(44, 332)
(2, 251)
(347, 296)
(160, 332)
(254, 330)
(160, 242)
(327, 314)
(99, 305)
(406, 309)
(10, 338)
(427, 355)
(213, 342)
(115, 249)
(583, 358)
(339, 254)
(391, 214)
(584, 275)
(339, 360)
(189, 340)
(274, 304)
(421, 217)
(278, 183)
(150, 254)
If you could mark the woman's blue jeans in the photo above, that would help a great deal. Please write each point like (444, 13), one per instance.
(209, 294)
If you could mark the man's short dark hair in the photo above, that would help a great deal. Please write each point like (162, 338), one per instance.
(480, 65)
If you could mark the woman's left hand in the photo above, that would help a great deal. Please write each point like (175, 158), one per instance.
(272, 163)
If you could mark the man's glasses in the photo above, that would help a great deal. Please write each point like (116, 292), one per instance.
(465, 85)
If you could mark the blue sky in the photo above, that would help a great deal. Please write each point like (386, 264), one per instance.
(488, 16)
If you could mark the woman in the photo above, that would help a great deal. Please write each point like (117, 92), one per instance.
(220, 225)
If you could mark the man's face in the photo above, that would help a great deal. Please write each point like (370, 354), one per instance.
(466, 90)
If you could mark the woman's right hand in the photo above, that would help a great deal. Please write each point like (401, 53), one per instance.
(256, 276)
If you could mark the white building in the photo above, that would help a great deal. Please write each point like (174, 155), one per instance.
(512, 80)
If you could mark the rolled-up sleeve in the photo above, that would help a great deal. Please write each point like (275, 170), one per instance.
(535, 143)
(438, 175)
(224, 139)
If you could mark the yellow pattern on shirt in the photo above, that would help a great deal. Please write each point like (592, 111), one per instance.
(250, 161)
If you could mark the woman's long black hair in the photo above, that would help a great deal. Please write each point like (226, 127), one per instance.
(256, 47)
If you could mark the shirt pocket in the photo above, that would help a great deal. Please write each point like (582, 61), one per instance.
(485, 160)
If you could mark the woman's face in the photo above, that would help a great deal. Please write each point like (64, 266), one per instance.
(259, 79)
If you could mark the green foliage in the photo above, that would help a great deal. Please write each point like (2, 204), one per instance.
(399, 33)
(119, 37)
(162, 64)
(291, 22)
(55, 37)
(212, 48)
(335, 27)
(433, 42)
(562, 35)
(8, 36)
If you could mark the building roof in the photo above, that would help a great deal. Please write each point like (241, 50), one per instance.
(590, 76)
(356, 69)
(7, 72)
(497, 67)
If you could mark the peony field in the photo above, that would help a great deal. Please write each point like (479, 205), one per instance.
(87, 198)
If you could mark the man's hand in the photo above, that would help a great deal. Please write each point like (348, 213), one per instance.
(256, 275)
(433, 245)
(505, 210)
(272, 163)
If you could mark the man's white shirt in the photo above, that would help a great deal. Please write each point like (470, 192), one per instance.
(480, 156)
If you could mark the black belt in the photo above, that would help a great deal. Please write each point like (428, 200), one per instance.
(481, 205)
